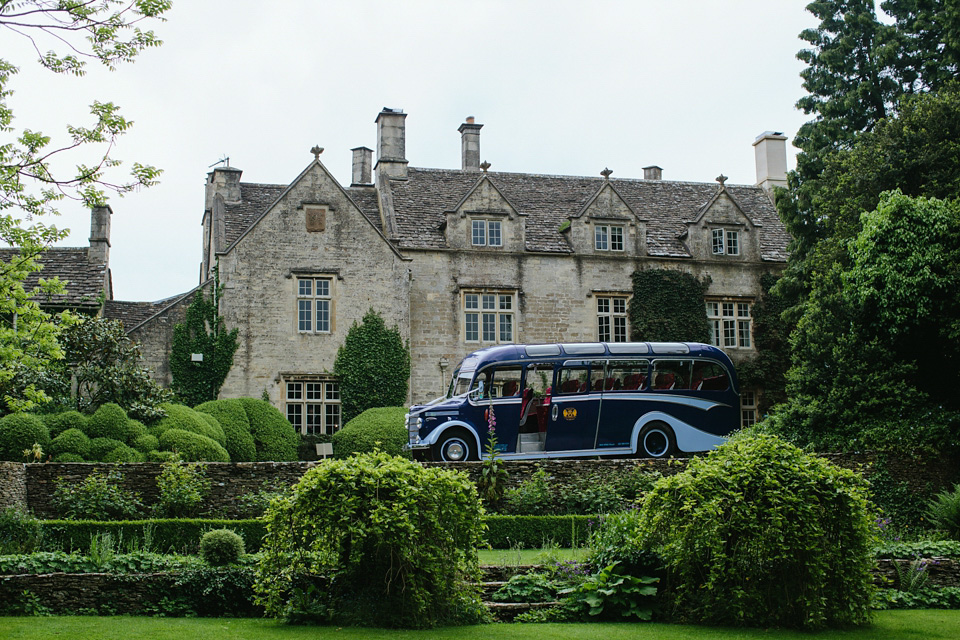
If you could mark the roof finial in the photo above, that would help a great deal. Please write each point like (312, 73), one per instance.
(316, 151)
(484, 165)
(721, 179)
(606, 173)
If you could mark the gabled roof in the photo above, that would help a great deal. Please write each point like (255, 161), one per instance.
(254, 199)
(85, 280)
(716, 196)
(603, 187)
(133, 314)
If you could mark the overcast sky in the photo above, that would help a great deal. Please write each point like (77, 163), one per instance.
(561, 88)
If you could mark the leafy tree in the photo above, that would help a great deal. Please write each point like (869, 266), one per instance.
(373, 367)
(203, 332)
(767, 369)
(875, 353)
(668, 306)
(108, 32)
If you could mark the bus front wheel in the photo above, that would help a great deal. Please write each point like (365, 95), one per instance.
(656, 441)
(454, 446)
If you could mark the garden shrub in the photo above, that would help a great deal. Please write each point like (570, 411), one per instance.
(98, 497)
(530, 497)
(123, 453)
(505, 532)
(186, 419)
(57, 423)
(20, 431)
(615, 540)
(162, 456)
(146, 443)
(193, 447)
(382, 428)
(183, 488)
(135, 429)
(232, 418)
(68, 457)
(180, 535)
(20, 532)
(109, 421)
(273, 435)
(221, 547)
(614, 594)
(374, 540)
(759, 533)
(71, 441)
(100, 447)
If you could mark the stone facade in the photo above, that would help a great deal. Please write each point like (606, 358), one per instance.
(457, 260)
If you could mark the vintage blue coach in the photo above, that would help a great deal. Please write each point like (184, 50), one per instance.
(650, 399)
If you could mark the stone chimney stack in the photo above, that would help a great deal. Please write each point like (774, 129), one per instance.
(771, 152)
(362, 165)
(226, 182)
(653, 172)
(391, 143)
(470, 144)
(99, 251)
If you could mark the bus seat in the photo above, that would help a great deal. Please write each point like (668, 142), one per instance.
(526, 405)
(609, 383)
(632, 381)
(665, 381)
(598, 384)
(510, 388)
(570, 386)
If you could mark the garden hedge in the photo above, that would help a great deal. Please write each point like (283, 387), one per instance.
(186, 419)
(504, 532)
(193, 446)
(168, 534)
(236, 427)
(272, 433)
(380, 428)
(20, 431)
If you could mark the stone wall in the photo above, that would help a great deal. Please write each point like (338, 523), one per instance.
(13, 485)
(229, 481)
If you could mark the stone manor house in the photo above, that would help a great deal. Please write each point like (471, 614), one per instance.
(458, 259)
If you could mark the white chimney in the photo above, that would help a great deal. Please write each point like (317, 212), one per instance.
(771, 153)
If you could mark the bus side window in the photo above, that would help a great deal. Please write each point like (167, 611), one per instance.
(671, 374)
(506, 382)
(539, 378)
(709, 376)
(574, 379)
(627, 375)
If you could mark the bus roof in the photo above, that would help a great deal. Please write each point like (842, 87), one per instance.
(594, 349)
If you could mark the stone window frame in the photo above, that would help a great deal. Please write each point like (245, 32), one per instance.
(725, 242)
(475, 315)
(309, 303)
(486, 228)
(311, 403)
(611, 314)
(612, 239)
(731, 322)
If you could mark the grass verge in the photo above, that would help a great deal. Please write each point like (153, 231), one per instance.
(888, 625)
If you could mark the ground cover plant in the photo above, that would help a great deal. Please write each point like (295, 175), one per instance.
(373, 540)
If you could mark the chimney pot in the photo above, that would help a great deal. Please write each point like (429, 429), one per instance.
(653, 172)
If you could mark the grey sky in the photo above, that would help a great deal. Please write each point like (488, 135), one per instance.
(561, 87)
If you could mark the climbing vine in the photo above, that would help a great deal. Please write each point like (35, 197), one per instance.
(668, 306)
(767, 370)
(204, 333)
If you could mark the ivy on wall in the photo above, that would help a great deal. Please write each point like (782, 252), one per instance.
(667, 306)
(205, 333)
(373, 367)
(767, 370)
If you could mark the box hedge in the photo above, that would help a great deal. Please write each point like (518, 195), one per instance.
(109, 421)
(180, 535)
(193, 447)
(57, 423)
(504, 532)
(272, 433)
(381, 428)
(236, 427)
(71, 441)
(184, 418)
(20, 431)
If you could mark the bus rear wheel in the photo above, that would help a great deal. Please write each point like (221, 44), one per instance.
(656, 441)
(455, 446)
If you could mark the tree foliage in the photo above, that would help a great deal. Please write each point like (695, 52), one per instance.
(667, 306)
(875, 354)
(373, 367)
(65, 35)
(203, 332)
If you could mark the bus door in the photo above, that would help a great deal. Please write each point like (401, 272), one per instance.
(501, 392)
(624, 401)
(575, 406)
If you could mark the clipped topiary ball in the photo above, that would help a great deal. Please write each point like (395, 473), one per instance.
(135, 429)
(193, 447)
(68, 457)
(57, 423)
(162, 456)
(272, 432)
(109, 421)
(220, 547)
(100, 447)
(186, 419)
(123, 453)
(71, 441)
(232, 418)
(146, 443)
(380, 428)
(20, 431)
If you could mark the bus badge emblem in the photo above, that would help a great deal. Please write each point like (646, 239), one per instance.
(570, 413)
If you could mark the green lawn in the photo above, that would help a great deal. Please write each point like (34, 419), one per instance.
(514, 557)
(888, 625)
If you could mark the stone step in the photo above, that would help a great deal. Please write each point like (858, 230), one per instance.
(507, 611)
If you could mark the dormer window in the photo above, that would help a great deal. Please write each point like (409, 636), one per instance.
(608, 238)
(726, 242)
(486, 233)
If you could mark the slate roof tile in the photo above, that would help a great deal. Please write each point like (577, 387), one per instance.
(85, 281)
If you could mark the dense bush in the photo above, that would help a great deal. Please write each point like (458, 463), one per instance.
(273, 435)
(180, 535)
(146, 443)
(374, 540)
(758, 533)
(504, 532)
(57, 423)
(380, 428)
(20, 431)
(615, 540)
(123, 453)
(232, 418)
(101, 447)
(183, 488)
(98, 497)
(109, 421)
(220, 547)
(19, 531)
(587, 494)
(68, 457)
(72, 440)
(186, 419)
(943, 512)
(193, 447)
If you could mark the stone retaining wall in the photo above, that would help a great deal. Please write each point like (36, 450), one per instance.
(13, 485)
